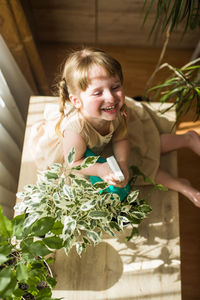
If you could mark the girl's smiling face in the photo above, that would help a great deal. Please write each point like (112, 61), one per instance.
(102, 99)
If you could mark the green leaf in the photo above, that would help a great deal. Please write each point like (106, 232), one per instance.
(57, 228)
(94, 237)
(126, 208)
(26, 243)
(3, 240)
(53, 242)
(100, 185)
(18, 294)
(3, 258)
(49, 260)
(160, 187)
(6, 227)
(5, 249)
(171, 93)
(42, 226)
(30, 220)
(114, 225)
(134, 220)
(133, 233)
(145, 208)
(108, 230)
(5, 278)
(8, 282)
(38, 248)
(71, 156)
(44, 294)
(82, 182)
(89, 161)
(97, 214)
(88, 205)
(69, 226)
(79, 248)
(51, 281)
(51, 175)
(68, 191)
(18, 223)
(133, 196)
(22, 272)
(68, 243)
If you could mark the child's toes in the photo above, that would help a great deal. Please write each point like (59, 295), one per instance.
(196, 199)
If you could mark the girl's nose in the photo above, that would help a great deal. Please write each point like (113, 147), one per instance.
(108, 95)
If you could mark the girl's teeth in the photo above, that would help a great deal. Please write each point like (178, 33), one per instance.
(109, 108)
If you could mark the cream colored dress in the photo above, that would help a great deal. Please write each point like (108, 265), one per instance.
(143, 130)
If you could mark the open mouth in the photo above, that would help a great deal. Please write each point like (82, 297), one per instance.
(109, 108)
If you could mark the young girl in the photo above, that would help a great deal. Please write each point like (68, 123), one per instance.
(95, 114)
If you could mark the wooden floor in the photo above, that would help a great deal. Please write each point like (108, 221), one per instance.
(138, 65)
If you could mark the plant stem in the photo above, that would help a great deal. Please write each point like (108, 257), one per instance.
(191, 63)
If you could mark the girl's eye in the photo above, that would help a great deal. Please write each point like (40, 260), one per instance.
(97, 93)
(115, 87)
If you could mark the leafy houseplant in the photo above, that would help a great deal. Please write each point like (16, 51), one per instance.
(61, 210)
(171, 13)
(182, 88)
(78, 211)
(23, 274)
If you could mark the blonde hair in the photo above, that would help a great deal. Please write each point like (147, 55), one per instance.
(76, 69)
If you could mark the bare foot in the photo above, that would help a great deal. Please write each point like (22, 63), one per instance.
(195, 198)
(191, 193)
(185, 181)
(193, 141)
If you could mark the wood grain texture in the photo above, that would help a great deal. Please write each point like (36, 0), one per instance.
(121, 23)
(113, 22)
(65, 21)
(11, 36)
(138, 64)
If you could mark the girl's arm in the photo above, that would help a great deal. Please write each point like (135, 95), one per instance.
(121, 151)
(73, 139)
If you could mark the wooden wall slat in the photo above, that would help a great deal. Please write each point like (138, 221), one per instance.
(120, 23)
(70, 23)
(113, 22)
(62, 4)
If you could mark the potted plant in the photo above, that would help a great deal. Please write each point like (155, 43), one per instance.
(79, 210)
(24, 272)
(183, 86)
(182, 89)
(61, 210)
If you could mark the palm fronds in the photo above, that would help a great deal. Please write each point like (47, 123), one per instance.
(172, 13)
(182, 88)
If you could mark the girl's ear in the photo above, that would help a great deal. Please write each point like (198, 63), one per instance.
(75, 101)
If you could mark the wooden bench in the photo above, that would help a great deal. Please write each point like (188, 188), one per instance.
(147, 267)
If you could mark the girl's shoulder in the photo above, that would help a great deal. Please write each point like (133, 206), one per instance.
(72, 119)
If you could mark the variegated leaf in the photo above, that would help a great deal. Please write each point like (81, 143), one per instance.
(93, 236)
(71, 156)
(69, 226)
(88, 205)
(97, 214)
(79, 248)
(89, 161)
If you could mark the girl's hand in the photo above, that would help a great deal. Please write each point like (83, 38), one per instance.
(125, 171)
(108, 176)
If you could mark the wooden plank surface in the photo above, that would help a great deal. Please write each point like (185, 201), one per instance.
(147, 267)
(121, 23)
(64, 21)
(113, 22)
(138, 64)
